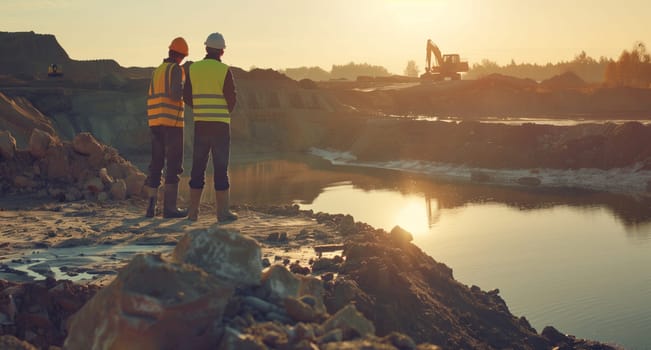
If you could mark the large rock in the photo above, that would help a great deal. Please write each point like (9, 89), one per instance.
(312, 286)
(39, 142)
(400, 235)
(86, 144)
(135, 182)
(223, 253)
(119, 190)
(152, 304)
(94, 185)
(351, 322)
(278, 283)
(58, 162)
(7, 145)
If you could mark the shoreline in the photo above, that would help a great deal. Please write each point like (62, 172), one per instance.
(631, 180)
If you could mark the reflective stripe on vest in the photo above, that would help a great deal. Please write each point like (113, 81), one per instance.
(209, 105)
(162, 110)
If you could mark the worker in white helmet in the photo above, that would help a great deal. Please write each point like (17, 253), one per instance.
(213, 98)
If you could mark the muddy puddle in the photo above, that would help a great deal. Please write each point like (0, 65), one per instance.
(81, 263)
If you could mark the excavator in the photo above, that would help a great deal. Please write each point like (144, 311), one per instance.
(447, 66)
(54, 70)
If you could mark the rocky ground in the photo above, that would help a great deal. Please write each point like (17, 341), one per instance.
(277, 278)
(361, 288)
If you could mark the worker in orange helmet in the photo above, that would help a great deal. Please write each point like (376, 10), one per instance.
(165, 104)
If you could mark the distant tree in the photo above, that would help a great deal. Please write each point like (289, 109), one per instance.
(312, 73)
(353, 70)
(632, 69)
(412, 69)
(586, 67)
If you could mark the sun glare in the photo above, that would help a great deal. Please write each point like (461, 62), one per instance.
(413, 217)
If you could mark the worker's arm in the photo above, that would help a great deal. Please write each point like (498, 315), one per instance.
(176, 83)
(229, 91)
(187, 89)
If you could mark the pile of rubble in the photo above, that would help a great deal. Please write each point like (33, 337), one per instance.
(66, 171)
(212, 292)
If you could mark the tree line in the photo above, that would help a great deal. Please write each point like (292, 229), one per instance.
(348, 71)
(631, 69)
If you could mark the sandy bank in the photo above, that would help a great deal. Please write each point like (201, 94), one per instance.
(632, 180)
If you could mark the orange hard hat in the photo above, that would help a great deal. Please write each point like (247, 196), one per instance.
(179, 45)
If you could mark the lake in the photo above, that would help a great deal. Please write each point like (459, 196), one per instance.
(577, 260)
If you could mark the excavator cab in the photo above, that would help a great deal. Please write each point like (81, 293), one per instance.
(54, 71)
(451, 59)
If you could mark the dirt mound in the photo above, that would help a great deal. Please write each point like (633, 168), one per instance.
(67, 171)
(567, 80)
(504, 81)
(400, 288)
(506, 146)
(20, 117)
(260, 74)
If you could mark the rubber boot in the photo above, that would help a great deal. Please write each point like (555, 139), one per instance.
(169, 203)
(222, 199)
(152, 194)
(195, 200)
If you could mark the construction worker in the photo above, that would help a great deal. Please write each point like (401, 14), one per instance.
(165, 113)
(213, 99)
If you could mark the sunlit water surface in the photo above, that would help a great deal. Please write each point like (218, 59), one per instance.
(578, 261)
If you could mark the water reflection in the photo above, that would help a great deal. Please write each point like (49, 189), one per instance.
(302, 180)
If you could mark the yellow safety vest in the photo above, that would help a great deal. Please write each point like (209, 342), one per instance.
(162, 110)
(209, 105)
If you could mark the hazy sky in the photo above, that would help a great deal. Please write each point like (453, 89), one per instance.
(293, 33)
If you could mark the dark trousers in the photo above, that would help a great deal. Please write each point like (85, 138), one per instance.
(166, 144)
(211, 138)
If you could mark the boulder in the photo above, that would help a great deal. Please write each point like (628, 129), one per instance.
(344, 291)
(299, 310)
(313, 286)
(235, 340)
(224, 253)
(94, 185)
(7, 145)
(39, 141)
(58, 162)
(152, 304)
(84, 143)
(351, 322)
(279, 284)
(399, 234)
(135, 182)
(106, 178)
(119, 190)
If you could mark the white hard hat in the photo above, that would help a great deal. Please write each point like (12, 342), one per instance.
(216, 41)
